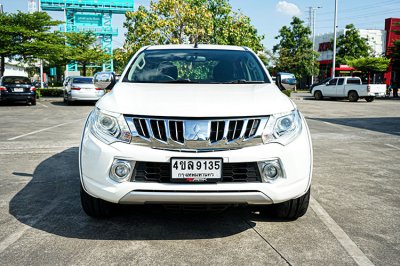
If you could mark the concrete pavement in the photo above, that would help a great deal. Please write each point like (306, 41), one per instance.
(354, 215)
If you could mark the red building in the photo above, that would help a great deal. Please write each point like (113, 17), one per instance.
(393, 73)
(380, 41)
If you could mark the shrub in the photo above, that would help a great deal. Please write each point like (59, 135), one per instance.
(50, 92)
(55, 84)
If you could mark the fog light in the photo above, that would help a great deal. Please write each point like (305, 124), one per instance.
(121, 170)
(270, 170)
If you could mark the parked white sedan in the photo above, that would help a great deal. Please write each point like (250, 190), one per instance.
(81, 89)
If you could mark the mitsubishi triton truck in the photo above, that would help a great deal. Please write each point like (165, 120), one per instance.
(195, 125)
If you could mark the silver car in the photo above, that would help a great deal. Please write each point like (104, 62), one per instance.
(81, 89)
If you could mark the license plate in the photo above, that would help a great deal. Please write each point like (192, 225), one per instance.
(18, 90)
(196, 170)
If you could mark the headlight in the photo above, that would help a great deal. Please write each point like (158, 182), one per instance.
(282, 128)
(109, 127)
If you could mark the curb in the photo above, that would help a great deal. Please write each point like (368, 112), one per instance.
(50, 99)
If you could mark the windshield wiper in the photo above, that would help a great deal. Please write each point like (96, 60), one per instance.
(180, 81)
(243, 81)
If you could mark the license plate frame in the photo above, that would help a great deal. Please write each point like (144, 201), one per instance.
(194, 175)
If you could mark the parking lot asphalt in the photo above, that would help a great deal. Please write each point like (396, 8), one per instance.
(354, 217)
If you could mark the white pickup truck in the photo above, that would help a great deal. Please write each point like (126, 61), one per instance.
(348, 87)
(195, 125)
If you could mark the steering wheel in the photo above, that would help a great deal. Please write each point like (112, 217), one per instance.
(164, 77)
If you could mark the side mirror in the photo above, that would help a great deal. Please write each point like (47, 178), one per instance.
(284, 81)
(104, 80)
(327, 84)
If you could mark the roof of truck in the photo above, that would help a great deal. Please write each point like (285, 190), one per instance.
(199, 46)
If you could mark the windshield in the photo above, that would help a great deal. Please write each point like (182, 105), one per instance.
(82, 80)
(197, 66)
(16, 80)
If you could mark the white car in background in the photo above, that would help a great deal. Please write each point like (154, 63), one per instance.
(81, 89)
(348, 87)
(195, 125)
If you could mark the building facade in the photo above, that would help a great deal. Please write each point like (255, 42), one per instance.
(14, 69)
(379, 40)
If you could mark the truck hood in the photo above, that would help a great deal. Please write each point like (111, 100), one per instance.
(195, 100)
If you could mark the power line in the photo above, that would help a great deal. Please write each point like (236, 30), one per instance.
(356, 9)
(370, 14)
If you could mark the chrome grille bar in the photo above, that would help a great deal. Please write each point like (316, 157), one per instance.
(196, 135)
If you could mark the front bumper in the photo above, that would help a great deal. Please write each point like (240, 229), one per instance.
(224, 197)
(96, 158)
(14, 96)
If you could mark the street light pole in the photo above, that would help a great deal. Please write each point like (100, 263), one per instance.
(314, 15)
(334, 39)
(41, 61)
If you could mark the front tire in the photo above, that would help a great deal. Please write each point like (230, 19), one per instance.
(370, 99)
(353, 96)
(95, 207)
(289, 210)
(318, 95)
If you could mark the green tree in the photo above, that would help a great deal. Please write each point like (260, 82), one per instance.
(189, 21)
(82, 49)
(351, 45)
(295, 53)
(27, 37)
(120, 58)
(394, 52)
(370, 64)
(263, 57)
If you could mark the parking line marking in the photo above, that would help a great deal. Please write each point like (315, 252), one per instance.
(392, 146)
(334, 125)
(352, 249)
(43, 129)
(11, 239)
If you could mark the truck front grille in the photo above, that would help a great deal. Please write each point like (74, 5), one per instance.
(161, 172)
(196, 135)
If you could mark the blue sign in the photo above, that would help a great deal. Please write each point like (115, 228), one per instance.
(53, 71)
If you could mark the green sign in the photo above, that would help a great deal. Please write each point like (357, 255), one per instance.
(88, 19)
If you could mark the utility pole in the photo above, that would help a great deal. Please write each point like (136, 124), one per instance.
(334, 39)
(2, 59)
(313, 15)
(41, 61)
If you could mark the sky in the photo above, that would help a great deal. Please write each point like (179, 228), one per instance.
(268, 16)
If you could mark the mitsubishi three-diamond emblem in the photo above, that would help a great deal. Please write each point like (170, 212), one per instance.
(197, 133)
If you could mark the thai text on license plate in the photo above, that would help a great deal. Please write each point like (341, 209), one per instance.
(196, 169)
